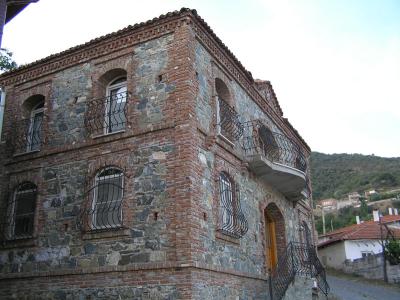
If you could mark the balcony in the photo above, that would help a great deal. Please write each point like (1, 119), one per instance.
(107, 115)
(27, 135)
(276, 159)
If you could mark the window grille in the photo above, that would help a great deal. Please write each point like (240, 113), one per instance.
(19, 213)
(232, 220)
(228, 121)
(27, 134)
(108, 114)
(104, 202)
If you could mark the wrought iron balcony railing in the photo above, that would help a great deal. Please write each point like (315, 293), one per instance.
(107, 115)
(275, 147)
(297, 259)
(229, 124)
(26, 135)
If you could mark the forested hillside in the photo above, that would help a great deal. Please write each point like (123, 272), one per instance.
(335, 175)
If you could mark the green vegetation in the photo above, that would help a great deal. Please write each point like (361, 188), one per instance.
(335, 175)
(6, 61)
(392, 251)
(388, 195)
(344, 217)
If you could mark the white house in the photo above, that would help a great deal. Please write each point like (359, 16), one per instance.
(355, 241)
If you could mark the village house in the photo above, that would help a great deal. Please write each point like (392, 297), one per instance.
(149, 164)
(357, 241)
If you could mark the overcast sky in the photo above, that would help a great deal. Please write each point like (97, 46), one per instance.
(334, 65)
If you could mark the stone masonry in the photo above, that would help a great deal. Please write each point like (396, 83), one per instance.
(171, 154)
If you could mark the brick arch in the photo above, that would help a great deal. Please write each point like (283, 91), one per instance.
(105, 79)
(31, 102)
(222, 91)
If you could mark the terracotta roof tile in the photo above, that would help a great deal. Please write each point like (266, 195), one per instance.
(368, 230)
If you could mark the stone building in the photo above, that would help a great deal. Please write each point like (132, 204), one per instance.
(149, 164)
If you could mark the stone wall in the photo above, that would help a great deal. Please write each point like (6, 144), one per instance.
(169, 246)
(372, 267)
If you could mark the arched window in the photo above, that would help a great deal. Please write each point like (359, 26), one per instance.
(115, 118)
(21, 211)
(27, 133)
(107, 112)
(228, 122)
(268, 144)
(35, 127)
(232, 220)
(107, 193)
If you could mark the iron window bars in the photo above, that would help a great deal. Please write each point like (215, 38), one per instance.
(19, 213)
(228, 121)
(108, 114)
(103, 205)
(232, 221)
(276, 147)
(27, 134)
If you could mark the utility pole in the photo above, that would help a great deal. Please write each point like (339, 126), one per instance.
(323, 218)
(385, 277)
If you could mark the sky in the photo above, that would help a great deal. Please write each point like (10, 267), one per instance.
(334, 65)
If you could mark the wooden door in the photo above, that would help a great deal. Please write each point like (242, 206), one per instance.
(271, 249)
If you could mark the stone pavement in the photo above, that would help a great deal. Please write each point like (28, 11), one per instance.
(345, 287)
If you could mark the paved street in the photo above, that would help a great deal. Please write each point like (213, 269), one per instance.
(357, 288)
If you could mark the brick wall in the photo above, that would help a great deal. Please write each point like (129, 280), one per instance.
(171, 156)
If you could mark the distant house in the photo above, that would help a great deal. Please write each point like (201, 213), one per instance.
(355, 241)
(346, 203)
(369, 193)
(329, 204)
(354, 197)
(392, 221)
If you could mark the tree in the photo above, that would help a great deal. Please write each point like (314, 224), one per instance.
(392, 251)
(6, 61)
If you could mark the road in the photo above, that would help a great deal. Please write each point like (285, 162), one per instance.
(357, 288)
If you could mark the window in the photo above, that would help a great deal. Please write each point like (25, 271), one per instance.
(268, 144)
(232, 220)
(115, 118)
(21, 211)
(107, 193)
(366, 253)
(34, 137)
(228, 122)
(26, 134)
(106, 111)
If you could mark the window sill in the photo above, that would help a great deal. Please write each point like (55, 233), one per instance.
(19, 243)
(106, 233)
(107, 134)
(26, 153)
(227, 238)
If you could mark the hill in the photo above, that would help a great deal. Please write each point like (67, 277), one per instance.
(335, 175)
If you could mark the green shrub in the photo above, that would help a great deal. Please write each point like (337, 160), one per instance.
(392, 252)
